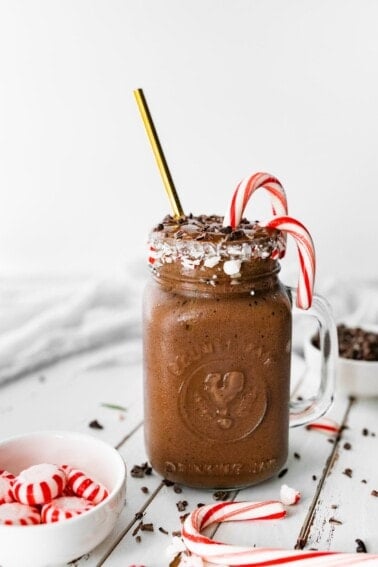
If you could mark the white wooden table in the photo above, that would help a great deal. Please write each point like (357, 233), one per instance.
(337, 479)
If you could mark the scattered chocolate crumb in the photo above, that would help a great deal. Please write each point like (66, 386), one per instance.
(334, 521)
(347, 446)
(334, 506)
(314, 477)
(167, 482)
(220, 495)
(177, 489)
(348, 472)
(94, 424)
(176, 533)
(374, 493)
(330, 440)
(181, 505)
(299, 398)
(147, 527)
(373, 434)
(183, 517)
(365, 432)
(163, 531)
(139, 471)
(282, 473)
(297, 455)
(138, 515)
(361, 547)
(364, 480)
(200, 504)
(145, 490)
(138, 539)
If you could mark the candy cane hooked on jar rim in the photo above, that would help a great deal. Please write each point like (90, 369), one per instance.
(306, 252)
(213, 552)
(246, 187)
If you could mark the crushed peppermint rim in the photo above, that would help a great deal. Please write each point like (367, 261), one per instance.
(203, 241)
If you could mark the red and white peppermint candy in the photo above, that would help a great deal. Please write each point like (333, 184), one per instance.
(306, 252)
(84, 486)
(325, 425)
(6, 494)
(216, 553)
(16, 514)
(39, 484)
(63, 508)
(244, 191)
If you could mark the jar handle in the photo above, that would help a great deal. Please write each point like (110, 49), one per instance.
(306, 410)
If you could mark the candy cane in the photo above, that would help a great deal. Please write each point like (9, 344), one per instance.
(306, 253)
(216, 553)
(246, 188)
(325, 425)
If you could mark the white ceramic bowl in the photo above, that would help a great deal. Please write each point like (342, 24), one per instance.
(353, 377)
(46, 545)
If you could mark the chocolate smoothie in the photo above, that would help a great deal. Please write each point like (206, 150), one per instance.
(217, 342)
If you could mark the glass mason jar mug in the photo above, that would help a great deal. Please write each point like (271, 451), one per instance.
(217, 332)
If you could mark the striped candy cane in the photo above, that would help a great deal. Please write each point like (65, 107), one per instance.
(306, 253)
(246, 188)
(325, 425)
(213, 552)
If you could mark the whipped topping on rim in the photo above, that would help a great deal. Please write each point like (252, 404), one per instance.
(203, 241)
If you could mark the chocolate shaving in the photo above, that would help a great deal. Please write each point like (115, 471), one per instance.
(355, 343)
(139, 471)
(181, 505)
(334, 521)
(163, 531)
(282, 473)
(361, 547)
(147, 527)
(94, 424)
(220, 495)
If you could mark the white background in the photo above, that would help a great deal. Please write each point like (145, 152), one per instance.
(235, 86)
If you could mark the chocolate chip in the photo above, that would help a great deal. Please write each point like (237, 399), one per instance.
(347, 446)
(297, 455)
(348, 472)
(361, 547)
(145, 490)
(314, 477)
(364, 481)
(282, 473)
(374, 493)
(138, 539)
(94, 424)
(200, 504)
(365, 432)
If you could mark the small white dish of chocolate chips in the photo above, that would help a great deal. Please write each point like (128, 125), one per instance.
(357, 365)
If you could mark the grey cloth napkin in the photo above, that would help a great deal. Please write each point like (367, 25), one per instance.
(43, 320)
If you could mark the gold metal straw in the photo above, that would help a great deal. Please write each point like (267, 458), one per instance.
(158, 153)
